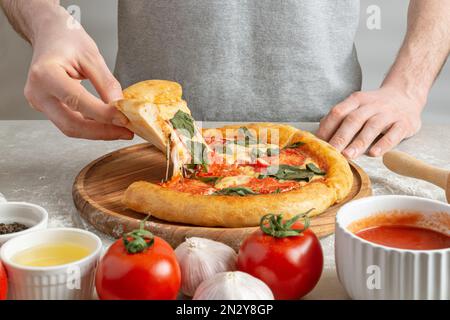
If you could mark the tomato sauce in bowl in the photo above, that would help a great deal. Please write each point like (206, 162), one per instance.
(386, 248)
(405, 230)
(405, 237)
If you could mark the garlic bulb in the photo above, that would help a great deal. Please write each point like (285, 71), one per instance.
(233, 286)
(200, 259)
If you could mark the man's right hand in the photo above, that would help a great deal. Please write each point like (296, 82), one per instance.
(63, 55)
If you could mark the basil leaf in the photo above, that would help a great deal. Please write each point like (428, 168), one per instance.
(257, 152)
(184, 123)
(314, 169)
(207, 179)
(189, 169)
(235, 191)
(295, 145)
(285, 168)
(198, 153)
(287, 172)
(190, 166)
(297, 176)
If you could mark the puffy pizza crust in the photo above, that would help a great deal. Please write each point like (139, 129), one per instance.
(149, 105)
(236, 211)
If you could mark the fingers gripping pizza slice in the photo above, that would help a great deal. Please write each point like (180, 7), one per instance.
(230, 176)
(158, 114)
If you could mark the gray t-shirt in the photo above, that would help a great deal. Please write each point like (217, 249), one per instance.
(244, 60)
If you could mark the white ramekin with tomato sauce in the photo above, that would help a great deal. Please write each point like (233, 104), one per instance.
(394, 247)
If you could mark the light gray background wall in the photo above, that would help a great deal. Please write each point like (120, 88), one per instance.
(376, 50)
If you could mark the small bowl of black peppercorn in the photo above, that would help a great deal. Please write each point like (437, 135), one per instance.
(17, 218)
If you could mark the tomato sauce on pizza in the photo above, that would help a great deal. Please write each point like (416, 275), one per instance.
(244, 167)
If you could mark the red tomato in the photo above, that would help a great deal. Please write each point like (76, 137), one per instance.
(3, 283)
(291, 266)
(150, 274)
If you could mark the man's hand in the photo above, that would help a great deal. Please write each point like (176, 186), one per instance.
(354, 124)
(63, 55)
(394, 110)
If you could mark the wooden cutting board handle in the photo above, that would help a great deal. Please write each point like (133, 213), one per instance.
(406, 165)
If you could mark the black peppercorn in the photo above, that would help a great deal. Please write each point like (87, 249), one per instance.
(6, 228)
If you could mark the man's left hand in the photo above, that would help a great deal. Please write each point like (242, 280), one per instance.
(354, 124)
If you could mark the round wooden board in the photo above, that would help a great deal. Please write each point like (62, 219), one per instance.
(98, 189)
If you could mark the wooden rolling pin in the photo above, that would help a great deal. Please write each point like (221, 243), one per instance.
(406, 165)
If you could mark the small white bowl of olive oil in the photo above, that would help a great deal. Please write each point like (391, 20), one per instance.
(52, 264)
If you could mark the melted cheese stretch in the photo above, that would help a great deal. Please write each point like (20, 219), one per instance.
(181, 145)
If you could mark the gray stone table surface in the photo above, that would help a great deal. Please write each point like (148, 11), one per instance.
(38, 164)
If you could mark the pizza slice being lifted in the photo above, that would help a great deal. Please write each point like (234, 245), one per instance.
(158, 114)
(230, 176)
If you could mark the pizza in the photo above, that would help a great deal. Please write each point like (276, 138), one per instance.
(229, 176)
(153, 107)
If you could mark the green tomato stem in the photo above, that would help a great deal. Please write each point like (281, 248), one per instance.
(138, 240)
(273, 225)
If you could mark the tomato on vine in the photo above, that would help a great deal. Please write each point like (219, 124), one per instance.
(286, 255)
(3, 283)
(140, 266)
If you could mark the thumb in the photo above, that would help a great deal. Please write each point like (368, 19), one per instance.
(103, 80)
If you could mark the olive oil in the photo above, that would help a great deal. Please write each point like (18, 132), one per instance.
(47, 255)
